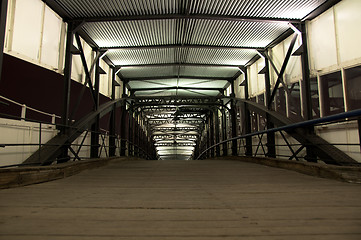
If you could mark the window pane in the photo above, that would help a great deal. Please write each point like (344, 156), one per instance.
(261, 99)
(315, 98)
(27, 28)
(332, 94)
(281, 101)
(294, 102)
(353, 86)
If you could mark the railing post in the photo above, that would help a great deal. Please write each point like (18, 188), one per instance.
(23, 112)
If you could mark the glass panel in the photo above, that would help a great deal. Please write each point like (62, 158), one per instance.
(353, 87)
(332, 94)
(281, 101)
(315, 98)
(254, 122)
(261, 99)
(294, 102)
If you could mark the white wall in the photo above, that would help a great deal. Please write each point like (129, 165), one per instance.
(35, 33)
(334, 38)
(21, 132)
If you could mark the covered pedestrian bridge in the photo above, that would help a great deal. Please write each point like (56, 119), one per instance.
(162, 119)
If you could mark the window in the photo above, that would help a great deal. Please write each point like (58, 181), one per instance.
(261, 99)
(353, 87)
(281, 101)
(294, 102)
(315, 98)
(332, 94)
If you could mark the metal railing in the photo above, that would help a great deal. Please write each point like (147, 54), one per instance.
(24, 109)
(337, 118)
(75, 149)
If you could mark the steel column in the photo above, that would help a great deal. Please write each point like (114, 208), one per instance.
(224, 133)
(208, 142)
(64, 157)
(216, 116)
(112, 133)
(271, 142)
(123, 127)
(94, 150)
(130, 133)
(67, 75)
(247, 116)
(306, 93)
(3, 15)
(211, 125)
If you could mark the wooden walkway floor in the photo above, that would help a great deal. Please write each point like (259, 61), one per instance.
(200, 200)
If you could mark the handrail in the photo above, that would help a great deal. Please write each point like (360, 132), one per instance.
(350, 114)
(30, 108)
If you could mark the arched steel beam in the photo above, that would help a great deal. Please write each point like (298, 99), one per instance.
(51, 150)
(326, 151)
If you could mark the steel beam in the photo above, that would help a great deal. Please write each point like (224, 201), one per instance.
(321, 9)
(224, 133)
(170, 46)
(179, 64)
(271, 142)
(186, 16)
(95, 128)
(3, 15)
(87, 78)
(283, 69)
(173, 88)
(176, 77)
(112, 123)
(247, 116)
(306, 92)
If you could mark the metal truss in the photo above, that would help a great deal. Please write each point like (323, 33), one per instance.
(175, 144)
(166, 129)
(181, 121)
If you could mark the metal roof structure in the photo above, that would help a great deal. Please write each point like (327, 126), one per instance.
(183, 48)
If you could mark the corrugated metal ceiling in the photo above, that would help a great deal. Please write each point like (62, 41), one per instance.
(254, 8)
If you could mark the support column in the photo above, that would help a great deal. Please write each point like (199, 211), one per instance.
(123, 123)
(306, 92)
(64, 156)
(216, 117)
(94, 150)
(211, 128)
(234, 120)
(112, 132)
(247, 116)
(3, 15)
(130, 133)
(224, 133)
(271, 142)
(208, 142)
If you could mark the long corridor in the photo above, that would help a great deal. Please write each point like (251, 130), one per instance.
(177, 200)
